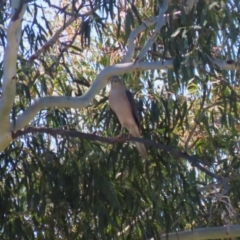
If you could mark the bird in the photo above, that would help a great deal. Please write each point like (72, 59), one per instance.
(122, 103)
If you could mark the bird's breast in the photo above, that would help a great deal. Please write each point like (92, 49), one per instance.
(120, 105)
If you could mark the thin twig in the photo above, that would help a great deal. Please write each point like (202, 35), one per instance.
(197, 123)
(152, 39)
(55, 37)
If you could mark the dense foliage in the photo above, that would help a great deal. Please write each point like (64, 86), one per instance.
(72, 188)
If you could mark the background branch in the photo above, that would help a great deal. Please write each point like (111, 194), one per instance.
(56, 35)
(152, 39)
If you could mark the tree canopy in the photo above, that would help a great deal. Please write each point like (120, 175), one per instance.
(64, 172)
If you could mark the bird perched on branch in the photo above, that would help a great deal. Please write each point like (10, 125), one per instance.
(122, 103)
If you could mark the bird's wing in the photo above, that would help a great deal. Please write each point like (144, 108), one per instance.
(132, 104)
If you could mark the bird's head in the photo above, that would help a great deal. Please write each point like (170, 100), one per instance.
(115, 81)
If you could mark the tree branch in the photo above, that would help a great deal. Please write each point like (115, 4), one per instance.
(92, 137)
(224, 232)
(10, 57)
(14, 31)
(160, 20)
(73, 14)
(225, 64)
(212, 187)
(55, 37)
(82, 101)
(132, 36)
(152, 39)
(197, 120)
(52, 40)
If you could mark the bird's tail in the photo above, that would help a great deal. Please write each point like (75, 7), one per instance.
(141, 149)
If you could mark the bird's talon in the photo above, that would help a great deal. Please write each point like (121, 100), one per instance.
(118, 138)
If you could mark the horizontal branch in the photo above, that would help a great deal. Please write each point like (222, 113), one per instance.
(92, 137)
(225, 232)
(226, 64)
(82, 101)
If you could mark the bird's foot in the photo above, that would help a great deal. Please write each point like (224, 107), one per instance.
(118, 137)
(129, 135)
(121, 136)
